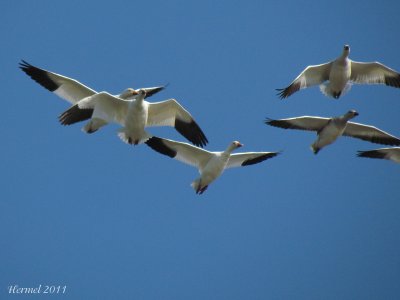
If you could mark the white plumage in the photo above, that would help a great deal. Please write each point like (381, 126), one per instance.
(129, 109)
(335, 77)
(329, 129)
(210, 164)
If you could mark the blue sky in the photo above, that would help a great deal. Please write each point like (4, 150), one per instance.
(113, 221)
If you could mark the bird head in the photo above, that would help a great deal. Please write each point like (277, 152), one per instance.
(128, 93)
(346, 50)
(237, 144)
(351, 114)
(142, 92)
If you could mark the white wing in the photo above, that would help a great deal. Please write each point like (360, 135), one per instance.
(370, 133)
(303, 123)
(101, 105)
(183, 152)
(171, 113)
(312, 75)
(374, 73)
(248, 158)
(66, 88)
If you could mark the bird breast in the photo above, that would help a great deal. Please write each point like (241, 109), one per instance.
(137, 116)
(339, 75)
(331, 132)
(214, 167)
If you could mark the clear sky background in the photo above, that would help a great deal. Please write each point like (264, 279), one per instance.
(112, 221)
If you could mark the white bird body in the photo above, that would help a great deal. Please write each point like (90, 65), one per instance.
(336, 77)
(209, 164)
(133, 131)
(329, 129)
(339, 77)
(214, 168)
(326, 137)
(134, 114)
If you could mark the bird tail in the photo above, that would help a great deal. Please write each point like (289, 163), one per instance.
(196, 185)
(128, 138)
(326, 89)
(314, 148)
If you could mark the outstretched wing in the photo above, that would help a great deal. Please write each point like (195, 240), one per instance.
(370, 133)
(312, 75)
(249, 158)
(64, 87)
(103, 105)
(171, 113)
(374, 73)
(302, 123)
(183, 152)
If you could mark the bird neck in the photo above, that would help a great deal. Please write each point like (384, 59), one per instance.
(345, 55)
(347, 116)
(125, 95)
(138, 101)
(230, 149)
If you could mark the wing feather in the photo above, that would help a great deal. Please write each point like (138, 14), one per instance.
(66, 88)
(171, 113)
(183, 152)
(370, 133)
(310, 123)
(374, 73)
(383, 153)
(310, 76)
(249, 158)
(101, 105)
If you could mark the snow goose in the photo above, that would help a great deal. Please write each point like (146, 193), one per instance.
(73, 91)
(210, 164)
(383, 153)
(341, 72)
(134, 115)
(329, 129)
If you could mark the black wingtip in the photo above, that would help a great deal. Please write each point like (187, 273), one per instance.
(393, 81)
(192, 132)
(39, 75)
(260, 158)
(276, 123)
(155, 90)
(371, 154)
(282, 93)
(158, 145)
(75, 114)
(25, 66)
(268, 120)
(361, 154)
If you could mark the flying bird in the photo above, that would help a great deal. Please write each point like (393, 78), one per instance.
(392, 154)
(341, 73)
(102, 108)
(210, 164)
(73, 91)
(134, 115)
(329, 129)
